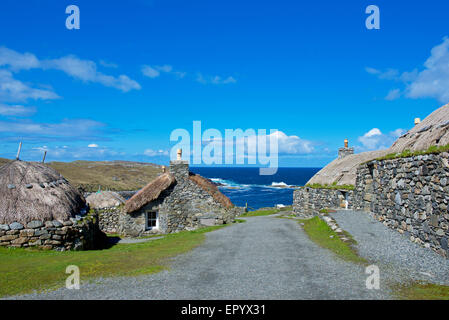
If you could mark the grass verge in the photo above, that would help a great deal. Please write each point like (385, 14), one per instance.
(407, 153)
(265, 212)
(333, 186)
(24, 270)
(319, 232)
(421, 291)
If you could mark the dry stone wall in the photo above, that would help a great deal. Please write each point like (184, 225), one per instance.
(307, 202)
(109, 219)
(410, 195)
(74, 234)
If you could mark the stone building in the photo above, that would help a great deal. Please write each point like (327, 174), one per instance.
(176, 200)
(39, 208)
(107, 205)
(406, 186)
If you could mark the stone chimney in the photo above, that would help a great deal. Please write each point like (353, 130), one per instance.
(346, 151)
(179, 168)
(417, 121)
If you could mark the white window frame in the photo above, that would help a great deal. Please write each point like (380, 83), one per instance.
(147, 227)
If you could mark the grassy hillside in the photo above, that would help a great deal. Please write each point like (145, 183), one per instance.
(112, 175)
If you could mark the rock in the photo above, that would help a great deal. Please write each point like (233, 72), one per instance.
(8, 237)
(11, 186)
(35, 224)
(57, 224)
(27, 233)
(16, 226)
(20, 240)
(4, 227)
(440, 232)
(67, 223)
(398, 199)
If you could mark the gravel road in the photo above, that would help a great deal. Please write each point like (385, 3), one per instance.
(399, 259)
(264, 258)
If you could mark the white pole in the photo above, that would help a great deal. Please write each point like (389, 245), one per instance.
(18, 151)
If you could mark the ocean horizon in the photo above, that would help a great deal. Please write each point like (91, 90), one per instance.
(245, 185)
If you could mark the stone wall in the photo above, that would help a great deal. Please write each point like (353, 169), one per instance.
(307, 202)
(74, 234)
(109, 219)
(410, 195)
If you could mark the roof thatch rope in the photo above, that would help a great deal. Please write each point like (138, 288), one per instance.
(32, 191)
(150, 192)
(212, 189)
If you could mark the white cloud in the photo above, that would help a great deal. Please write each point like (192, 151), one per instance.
(431, 82)
(155, 71)
(76, 128)
(108, 64)
(286, 144)
(393, 95)
(16, 110)
(84, 70)
(376, 140)
(18, 61)
(215, 79)
(75, 153)
(13, 90)
(92, 145)
(155, 153)
(150, 72)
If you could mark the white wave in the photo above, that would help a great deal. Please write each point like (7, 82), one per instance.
(279, 185)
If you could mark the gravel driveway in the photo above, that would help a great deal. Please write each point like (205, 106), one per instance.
(398, 258)
(264, 258)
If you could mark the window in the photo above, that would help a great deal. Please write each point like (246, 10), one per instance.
(152, 221)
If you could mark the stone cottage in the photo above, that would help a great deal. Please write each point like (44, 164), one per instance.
(107, 205)
(175, 200)
(39, 208)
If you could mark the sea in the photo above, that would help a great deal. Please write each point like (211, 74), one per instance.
(245, 185)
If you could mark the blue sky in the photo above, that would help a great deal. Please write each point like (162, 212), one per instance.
(136, 70)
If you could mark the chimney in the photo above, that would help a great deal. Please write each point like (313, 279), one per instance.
(417, 121)
(346, 151)
(179, 168)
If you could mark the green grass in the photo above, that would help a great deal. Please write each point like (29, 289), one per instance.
(265, 212)
(421, 291)
(24, 270)
(320, 233)
(333, 186)
(407, 153)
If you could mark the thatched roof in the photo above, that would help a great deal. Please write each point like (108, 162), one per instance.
(104, 199)
(150, 192)
(212, 189)
(32, 191)
(432, 131)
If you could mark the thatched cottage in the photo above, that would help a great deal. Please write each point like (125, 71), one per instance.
(38, 207)
(175, 200)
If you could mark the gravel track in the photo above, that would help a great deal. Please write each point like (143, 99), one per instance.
(398, 258)
(264, 258)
